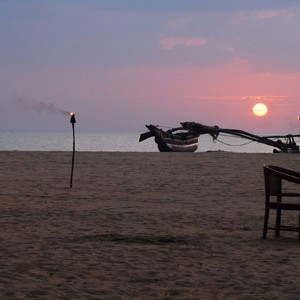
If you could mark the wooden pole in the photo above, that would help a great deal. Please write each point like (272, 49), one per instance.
(73, 121)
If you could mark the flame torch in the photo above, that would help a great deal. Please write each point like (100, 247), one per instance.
(72, 121)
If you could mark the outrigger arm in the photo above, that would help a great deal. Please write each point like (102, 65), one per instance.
(289, 146)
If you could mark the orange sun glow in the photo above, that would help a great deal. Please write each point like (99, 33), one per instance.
(260, 109)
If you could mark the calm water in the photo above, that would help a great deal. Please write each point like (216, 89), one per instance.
(125, 142)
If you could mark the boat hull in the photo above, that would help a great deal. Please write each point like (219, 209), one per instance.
(178, 148)
(169, 142)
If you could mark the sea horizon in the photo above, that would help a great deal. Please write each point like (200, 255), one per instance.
(114, 142)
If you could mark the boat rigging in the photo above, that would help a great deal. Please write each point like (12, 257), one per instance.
(185, 137)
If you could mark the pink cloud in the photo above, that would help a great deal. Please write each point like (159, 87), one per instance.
(267, 14)
(270, 98)
(172, 42)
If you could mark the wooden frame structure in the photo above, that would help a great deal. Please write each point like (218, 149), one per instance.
(275, 197)
(185, 137)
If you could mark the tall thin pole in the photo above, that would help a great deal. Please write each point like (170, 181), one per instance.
(73, 121)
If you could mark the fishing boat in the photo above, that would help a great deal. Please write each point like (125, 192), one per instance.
(179, 139)
(185, 137)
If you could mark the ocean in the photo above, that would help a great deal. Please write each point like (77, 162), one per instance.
(115, 142)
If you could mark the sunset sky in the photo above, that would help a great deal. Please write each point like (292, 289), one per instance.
(121, 64)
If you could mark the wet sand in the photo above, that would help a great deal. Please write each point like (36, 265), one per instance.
(142, 226)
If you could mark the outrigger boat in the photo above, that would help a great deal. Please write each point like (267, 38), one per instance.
(185, 137)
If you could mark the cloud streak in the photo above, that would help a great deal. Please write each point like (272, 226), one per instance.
(172, 42)
(261, 15)
(269, 14)
(269, 98)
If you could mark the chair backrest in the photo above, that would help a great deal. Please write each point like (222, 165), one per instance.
(274, 176)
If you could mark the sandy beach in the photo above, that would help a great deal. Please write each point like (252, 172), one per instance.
(142, 226)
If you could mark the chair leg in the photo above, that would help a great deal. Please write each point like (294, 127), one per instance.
(278, 222)
(299, 226)
(266, 221)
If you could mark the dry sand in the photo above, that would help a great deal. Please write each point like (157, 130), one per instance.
(142, 226)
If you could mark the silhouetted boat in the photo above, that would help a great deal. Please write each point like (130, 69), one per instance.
(185, 137)
(179, 139)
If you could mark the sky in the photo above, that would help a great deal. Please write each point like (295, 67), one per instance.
(121, 64)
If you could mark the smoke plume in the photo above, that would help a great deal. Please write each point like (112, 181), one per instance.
(38, 106)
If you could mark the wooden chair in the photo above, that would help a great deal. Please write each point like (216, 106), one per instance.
(275, 197)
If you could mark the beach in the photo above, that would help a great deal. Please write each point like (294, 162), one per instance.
(142, 226)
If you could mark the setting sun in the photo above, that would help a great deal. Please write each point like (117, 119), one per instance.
(260, 109)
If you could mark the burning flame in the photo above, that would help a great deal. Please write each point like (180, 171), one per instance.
(72, 113)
